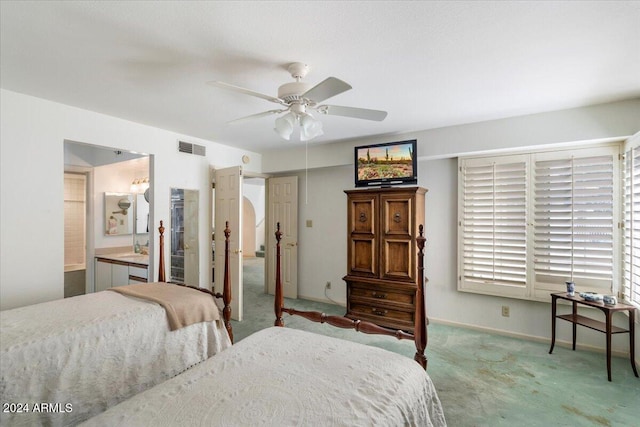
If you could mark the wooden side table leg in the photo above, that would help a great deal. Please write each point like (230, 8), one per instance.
(553, 323)
(575, 325)
(608, 317)
(632, 356)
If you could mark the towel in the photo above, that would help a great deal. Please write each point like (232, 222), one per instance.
(184, 306)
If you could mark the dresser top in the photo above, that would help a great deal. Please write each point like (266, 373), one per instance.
(394, 189)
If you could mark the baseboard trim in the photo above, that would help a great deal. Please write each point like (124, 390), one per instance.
(527, 337)
(323, 300)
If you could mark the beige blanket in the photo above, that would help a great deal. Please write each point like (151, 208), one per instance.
(184, 306)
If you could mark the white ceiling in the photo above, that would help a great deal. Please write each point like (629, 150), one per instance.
(429, 64)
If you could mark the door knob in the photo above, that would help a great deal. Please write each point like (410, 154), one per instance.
(237, 251)
(186, 246)
(292, 244)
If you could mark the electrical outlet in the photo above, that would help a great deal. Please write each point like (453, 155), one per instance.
(505, 311)
(328, 285)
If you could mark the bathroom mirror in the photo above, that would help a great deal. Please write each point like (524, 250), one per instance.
(184, 237)
(141, 230)
(118, 214)
(142, 215)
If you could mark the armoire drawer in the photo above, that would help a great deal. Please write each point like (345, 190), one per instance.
(381, 295)
(381, 312)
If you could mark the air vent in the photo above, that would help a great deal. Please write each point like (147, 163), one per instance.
(189, 148)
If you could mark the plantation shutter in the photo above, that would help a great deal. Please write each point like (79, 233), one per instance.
(494, 222)
(574, 218)
(631, 273)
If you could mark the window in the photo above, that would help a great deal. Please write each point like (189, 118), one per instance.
(574, 221)
(631, 246)
(530, 222)
(494, 225)
(74, 218)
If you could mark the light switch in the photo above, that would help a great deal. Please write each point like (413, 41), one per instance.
(309, 223)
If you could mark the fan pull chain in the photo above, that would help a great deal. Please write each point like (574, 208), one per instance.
(306, 172)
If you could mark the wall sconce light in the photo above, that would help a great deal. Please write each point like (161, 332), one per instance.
(140, 185)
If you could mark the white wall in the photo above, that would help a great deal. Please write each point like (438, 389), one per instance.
(322, 253)
(32, 134)
(31, 212)
(323, 257)
(322, 248)
(566, 127)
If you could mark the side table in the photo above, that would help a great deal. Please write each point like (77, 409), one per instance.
(605, 327)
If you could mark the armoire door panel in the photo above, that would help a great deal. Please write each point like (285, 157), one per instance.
(397, 260)
(363, 216)
(363, 257)
(397, 216)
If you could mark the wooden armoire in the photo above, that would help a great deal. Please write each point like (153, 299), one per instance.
(382, 254)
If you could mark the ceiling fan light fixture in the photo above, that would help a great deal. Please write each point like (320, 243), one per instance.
(309, 127)
(299, 97)
(284, 125)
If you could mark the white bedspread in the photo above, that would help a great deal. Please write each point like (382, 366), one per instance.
(90, 352)
(287, 377)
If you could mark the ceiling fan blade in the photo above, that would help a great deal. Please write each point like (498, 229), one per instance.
(239, 89)
(326, 89)
(255, 116)
(358, 113)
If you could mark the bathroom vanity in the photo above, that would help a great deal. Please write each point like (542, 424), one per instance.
(120, 269)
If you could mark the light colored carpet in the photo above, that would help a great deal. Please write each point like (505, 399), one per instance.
(484, 379)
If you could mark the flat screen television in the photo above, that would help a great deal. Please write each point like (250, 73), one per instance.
(391, 163)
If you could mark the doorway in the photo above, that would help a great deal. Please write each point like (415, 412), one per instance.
(241, 198)
(253, 234)
(106, 170)
(75, 233)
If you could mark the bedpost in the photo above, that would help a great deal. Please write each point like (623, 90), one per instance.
(279, 302)
(420, 319)
(226, 292)
(161, 272)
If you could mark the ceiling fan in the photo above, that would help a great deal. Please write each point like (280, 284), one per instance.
(298, 98)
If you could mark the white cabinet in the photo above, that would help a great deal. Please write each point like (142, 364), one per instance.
(103, 275)
(138, 274)
(110, 273)
(119, 274)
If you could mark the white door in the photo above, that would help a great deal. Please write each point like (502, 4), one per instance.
(228, 207)
(283, 208)
(191, 246)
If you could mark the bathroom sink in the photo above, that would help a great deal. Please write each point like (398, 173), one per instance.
(131, 255)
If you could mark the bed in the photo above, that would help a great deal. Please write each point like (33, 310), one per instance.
(283, 376)
(64, 361)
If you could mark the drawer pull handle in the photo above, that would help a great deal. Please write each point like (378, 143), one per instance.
(379, 296)
(379, 312)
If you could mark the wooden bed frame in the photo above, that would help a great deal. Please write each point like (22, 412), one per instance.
(237, 372)
(421, 322)
(226, 287)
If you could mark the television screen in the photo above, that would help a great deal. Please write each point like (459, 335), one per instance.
(391, 163)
